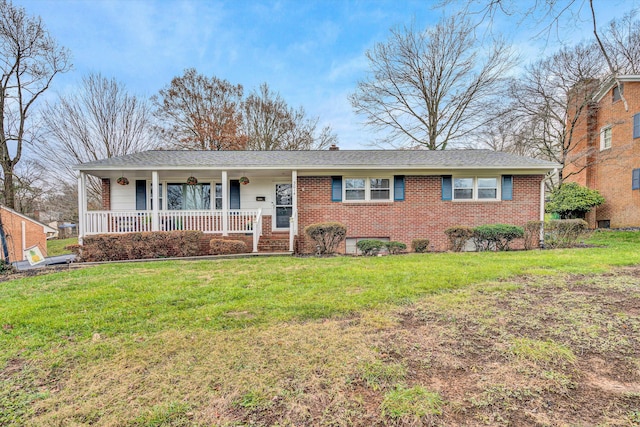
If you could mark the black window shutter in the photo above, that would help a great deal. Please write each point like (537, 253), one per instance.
(635, 179)
(141, 195)
(336, 188)
(234, 194)
(398, 188)
(447, 184)
(636, 126)
(507, 187)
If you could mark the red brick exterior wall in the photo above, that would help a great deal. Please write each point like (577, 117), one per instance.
(106, 194)
(34, 235)
(611, 170)
(423, 214)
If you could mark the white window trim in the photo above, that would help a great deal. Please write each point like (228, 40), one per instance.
(602, 137)
(367, 189)
(475, 189)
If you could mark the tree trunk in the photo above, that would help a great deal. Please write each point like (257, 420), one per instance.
(9, 193)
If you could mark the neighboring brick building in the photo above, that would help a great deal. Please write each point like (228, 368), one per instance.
(607, 156)
(398, 195)
(22, 232)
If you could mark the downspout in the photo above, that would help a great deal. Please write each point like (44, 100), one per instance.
(23, 229)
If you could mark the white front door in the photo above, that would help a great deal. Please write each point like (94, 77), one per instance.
(283, 206)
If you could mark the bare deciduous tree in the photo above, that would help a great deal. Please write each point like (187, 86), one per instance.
(508, 133)
(622, 40)
(553, 98)
(62, 202)
(200, 113)
(29, 60)
(99, 120)
(29, 183)
(270, 124)
(618, 46)
(431, 88)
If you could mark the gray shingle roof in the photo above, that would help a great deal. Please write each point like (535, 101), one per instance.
(326, 159)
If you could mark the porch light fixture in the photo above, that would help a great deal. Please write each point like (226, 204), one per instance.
(123, 180)
(244, 180)
(192, 180)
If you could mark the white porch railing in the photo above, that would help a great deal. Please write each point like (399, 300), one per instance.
(238, 221)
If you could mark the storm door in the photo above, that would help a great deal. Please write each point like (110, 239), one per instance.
(284, 206)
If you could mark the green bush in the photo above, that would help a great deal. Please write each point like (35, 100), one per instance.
(395, 248)
(370, 247)
(571, 200)
(458, 236)
(496, 236)
(420, 245)
(326, 235)
(226, 247)
(129, 246)
(564, 233)
(532, 234)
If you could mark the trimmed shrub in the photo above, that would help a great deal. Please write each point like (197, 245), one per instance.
(496, 236)
(420, 245)
(571, 200)
(129, 246)
(226, 247)
(458, 237)
(394, 248)
(370, 247)
(326, 235)
(532, 234)
(564, 233)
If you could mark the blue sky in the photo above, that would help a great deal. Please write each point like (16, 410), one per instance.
(312, 52)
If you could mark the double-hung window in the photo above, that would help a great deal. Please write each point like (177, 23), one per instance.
(605, 138)
(473, 188)
(487, 188)
(355, 189)
(367, 189)
(380, 189)
(463, 188)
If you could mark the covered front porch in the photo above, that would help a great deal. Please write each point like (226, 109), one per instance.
(258, 203)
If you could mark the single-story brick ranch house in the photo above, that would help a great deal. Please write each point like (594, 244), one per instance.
(272, 196)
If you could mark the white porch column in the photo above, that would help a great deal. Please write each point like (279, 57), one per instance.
(293, 221)
(82, 205)
(225, 204)
(155, 201)
(542, 187)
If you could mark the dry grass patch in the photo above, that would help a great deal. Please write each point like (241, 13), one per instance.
(290, 372)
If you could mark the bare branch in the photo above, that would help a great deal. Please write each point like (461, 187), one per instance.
(100, 120)
(431, 87)
(30, 59)
(270, 124)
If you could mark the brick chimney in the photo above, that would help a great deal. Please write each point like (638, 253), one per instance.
(334, 147)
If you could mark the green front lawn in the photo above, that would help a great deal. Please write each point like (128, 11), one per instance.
(136, 315)
(57, 246)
